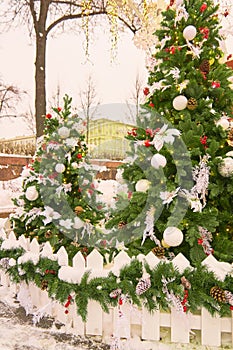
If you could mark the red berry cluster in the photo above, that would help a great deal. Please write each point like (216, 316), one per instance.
(185, 300)
(215, 84)
(52, 272)
(67, 304)
(205, 32)
(203, 140)
(133, 132)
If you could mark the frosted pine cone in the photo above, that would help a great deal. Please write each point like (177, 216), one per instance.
(143, 285)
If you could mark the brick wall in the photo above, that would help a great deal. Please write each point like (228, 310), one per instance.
(11, 167)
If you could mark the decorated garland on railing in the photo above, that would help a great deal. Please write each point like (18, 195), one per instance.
(160, 287)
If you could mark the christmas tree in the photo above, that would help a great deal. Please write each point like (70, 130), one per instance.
(179, 174)
(60, 202)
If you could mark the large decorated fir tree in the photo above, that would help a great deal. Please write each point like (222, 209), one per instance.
(60, 202)
(179, 175)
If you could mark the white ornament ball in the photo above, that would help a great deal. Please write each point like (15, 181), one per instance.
(173, 236)
(142, 185)
(180, 102)
(78, 223)
(224, 123)
(60, 168)
(64, 132)
(31, 193)
(74, 165)
(158, 160)
(229, 154)
(189, 32)
(225, 168)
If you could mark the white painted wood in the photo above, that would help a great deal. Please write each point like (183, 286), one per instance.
(79, 261)
(211, 329)
(34, 247)
(120, 260)
(47, 251)
(181, 262)
(122, 327)
(35, 294)
(24, 242)
(4, 279)
(152, 260)
(150, 325)
(94, 260)
(179, 327)
(62, 257)
(94, 324)
(77, 323)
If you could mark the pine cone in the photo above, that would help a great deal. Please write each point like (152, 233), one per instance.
(143, 285)
(192, 103)
(218, 294)
(121, 224)
(205, 66)
(44, 284)
(159, 252)
(78, 209)
(230, 138)
(48, 234)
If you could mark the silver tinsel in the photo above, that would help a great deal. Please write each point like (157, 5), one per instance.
(229, 297)
(149, 229)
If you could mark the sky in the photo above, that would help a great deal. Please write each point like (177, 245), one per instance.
(68, 67)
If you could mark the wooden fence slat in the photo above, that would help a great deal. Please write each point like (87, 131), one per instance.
(179, 327)
(94, 324)
(34, 246)
(181, 262)
(77, 322)
(47, 251)
(79, 261)
(62, 257)
(24, 242)
(210, 329)
(150, 325)
(35, 294)
(122, 327)
(94, 260)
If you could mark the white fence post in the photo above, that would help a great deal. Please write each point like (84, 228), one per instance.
(210, 329)
(94, 325)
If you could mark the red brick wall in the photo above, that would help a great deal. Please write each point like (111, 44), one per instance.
(11, 167)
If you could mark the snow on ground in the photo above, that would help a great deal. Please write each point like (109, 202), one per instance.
(17, 332)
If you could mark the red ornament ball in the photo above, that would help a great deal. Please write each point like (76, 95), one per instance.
(146, 91)
(151, 104)
(203, 7)
(147, 143)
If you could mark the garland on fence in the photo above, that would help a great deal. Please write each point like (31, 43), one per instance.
(160, 287)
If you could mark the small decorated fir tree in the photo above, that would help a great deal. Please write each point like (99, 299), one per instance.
(180, 171)
(60, 203)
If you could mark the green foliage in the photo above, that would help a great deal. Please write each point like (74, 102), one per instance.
(192, 69)
(100, 289)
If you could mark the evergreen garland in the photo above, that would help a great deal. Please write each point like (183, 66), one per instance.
(102, 289)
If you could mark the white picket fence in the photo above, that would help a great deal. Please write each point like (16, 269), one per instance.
(125, 321)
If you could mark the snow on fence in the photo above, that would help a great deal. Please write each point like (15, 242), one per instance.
(128, 321)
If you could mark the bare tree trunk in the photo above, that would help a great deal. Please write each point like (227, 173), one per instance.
(40, 91)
